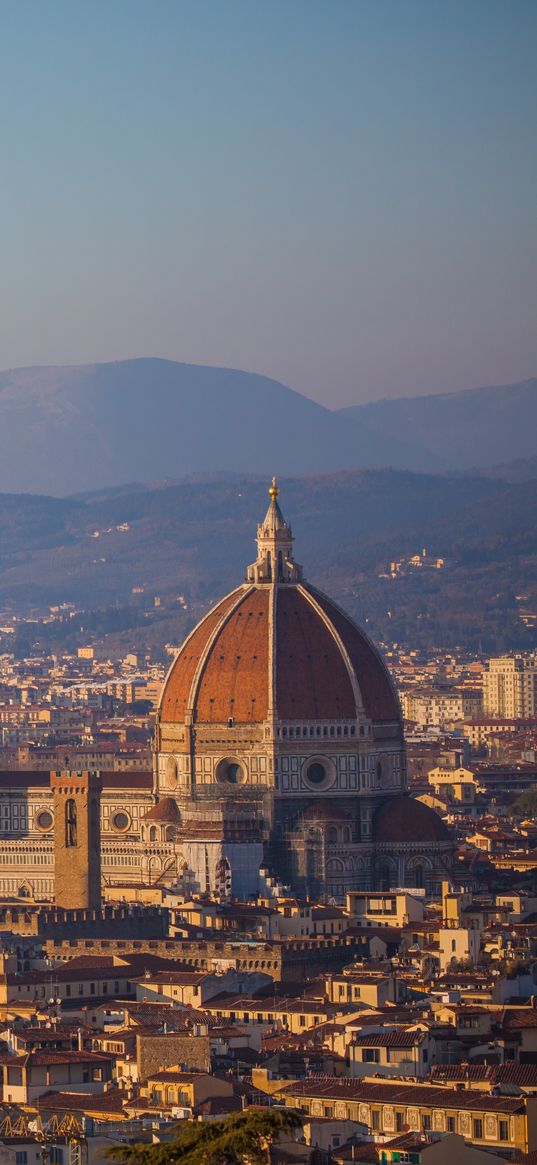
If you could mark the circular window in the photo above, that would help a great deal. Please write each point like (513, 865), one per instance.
(121, 820)
(316, 773)
(44, 819)
(319, 772)
(230, 772)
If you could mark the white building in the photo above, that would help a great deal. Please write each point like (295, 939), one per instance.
(510, 687)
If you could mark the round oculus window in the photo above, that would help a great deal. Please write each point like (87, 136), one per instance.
(230, 772)
(44, 819)
(121, 820)
(316, 773)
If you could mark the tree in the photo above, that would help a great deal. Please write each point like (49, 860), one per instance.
(240, 1139)
(526, 804)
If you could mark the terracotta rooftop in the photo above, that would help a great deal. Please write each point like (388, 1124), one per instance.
(521, 1075)
(42, 1057)
(342, 1088)
(402, 818)
(165, 810)
(389, 1039)
(110, 1102)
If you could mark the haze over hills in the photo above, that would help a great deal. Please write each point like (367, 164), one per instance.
(521, 469)
(70, 430)
(470, 429)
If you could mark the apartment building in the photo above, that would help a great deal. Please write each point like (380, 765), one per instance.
(510, 686)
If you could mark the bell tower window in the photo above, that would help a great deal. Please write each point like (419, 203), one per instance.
(70, 823)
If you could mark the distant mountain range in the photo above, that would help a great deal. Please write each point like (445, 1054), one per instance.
(83, 429)
(463, 430)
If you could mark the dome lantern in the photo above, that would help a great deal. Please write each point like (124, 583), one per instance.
(274, 563)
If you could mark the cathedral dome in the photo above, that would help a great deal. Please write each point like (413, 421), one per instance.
(403, 819)
(277, 648)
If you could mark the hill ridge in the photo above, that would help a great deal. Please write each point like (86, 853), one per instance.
(78, 428)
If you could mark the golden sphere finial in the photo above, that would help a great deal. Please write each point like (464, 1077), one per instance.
(274, 491)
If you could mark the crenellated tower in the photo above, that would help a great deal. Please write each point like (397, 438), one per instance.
(77, 840)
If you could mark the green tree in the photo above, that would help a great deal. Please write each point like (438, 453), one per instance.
(526, 804)
(240, 1139)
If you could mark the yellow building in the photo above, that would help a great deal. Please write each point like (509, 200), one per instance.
(174, 1088)
(389, 1107)
(455, 785)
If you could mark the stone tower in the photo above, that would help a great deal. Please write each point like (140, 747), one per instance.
(77, 840)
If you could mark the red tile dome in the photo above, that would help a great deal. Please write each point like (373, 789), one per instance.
(277, 648)
(401, 819)
(285, 647)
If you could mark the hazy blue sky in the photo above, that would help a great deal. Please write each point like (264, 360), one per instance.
(339, 194)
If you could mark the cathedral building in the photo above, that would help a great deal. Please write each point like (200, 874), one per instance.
(279, 759)
(279, 744)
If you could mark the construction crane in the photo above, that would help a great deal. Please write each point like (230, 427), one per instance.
(65, 1127)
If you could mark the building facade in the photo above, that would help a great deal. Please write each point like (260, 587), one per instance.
(510, 687)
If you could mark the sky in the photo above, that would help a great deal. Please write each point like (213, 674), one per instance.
(340, 194)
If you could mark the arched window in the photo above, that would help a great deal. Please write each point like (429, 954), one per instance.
(331, 835)
(385, 879)
(280, 566)
(269, 566)
(418, 877)
(70, 823)
(153, 833)
(346, 834)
